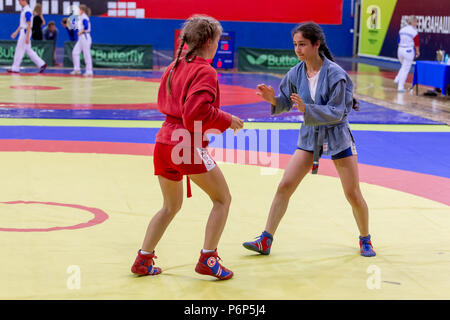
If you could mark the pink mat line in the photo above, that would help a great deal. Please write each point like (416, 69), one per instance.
(427, 186)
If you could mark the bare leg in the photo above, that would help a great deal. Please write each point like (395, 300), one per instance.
(173, 198)
(298, 167)
(214, 184)
(347, 169)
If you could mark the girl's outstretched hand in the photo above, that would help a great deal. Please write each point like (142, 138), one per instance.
(298, 102)
(267, 93)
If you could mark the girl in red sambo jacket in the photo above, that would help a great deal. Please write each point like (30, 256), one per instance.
(189, 96)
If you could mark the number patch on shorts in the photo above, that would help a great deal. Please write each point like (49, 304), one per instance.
(206, 158)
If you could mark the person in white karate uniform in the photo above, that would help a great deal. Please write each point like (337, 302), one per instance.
(83, 44)
(408, 49)
(24, 42)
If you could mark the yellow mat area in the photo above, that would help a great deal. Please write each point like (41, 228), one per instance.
(77, 90)
(315, 254)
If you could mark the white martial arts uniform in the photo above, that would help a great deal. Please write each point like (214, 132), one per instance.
(408, 39)
(22, 48)
(83, 45)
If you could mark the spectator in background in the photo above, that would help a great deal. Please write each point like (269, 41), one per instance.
(408, 49)
(51, 34)
(38, 22)
(23, 43)
(83, 44)
(73, 33)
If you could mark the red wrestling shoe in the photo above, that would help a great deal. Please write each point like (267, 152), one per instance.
(208, 264)
(144, 265)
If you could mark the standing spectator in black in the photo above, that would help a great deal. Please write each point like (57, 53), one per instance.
(51, 34)
(38, 22)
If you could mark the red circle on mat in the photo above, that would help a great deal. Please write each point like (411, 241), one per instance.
(99, 217)
(34, 88)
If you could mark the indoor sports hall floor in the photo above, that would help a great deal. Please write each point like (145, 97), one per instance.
(78, 191)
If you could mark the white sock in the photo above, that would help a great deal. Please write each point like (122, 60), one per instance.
(206, 251)
(145, 252)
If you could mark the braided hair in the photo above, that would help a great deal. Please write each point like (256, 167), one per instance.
(313, 32)
(197, 30)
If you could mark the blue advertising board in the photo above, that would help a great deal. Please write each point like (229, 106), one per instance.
(224, 58)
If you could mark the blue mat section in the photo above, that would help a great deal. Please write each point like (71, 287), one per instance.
(369, 113)
(424, 152)
(82, 114)
(134, 135)
(372, 113)
(256, 112)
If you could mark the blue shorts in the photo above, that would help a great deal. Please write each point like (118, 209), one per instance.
(350, 151)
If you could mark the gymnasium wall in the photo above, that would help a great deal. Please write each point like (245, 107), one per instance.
(262, 34)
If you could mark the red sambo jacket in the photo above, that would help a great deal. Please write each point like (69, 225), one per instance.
(194, 97)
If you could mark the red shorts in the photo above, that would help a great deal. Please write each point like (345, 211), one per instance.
(182, 161)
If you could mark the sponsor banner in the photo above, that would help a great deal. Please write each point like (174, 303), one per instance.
(44, 49)
(374, 23)
(114, 56)
(380, 37)
(224, 58)
(266, 60)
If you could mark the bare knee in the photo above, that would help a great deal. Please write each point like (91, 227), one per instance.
(286, 188)
(354, 196)
(224, 200)
(172, 209)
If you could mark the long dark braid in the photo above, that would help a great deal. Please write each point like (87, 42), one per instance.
(313, 32)
(325, 51)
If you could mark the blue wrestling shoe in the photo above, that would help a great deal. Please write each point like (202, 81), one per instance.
(366, 246)
(262, 244)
